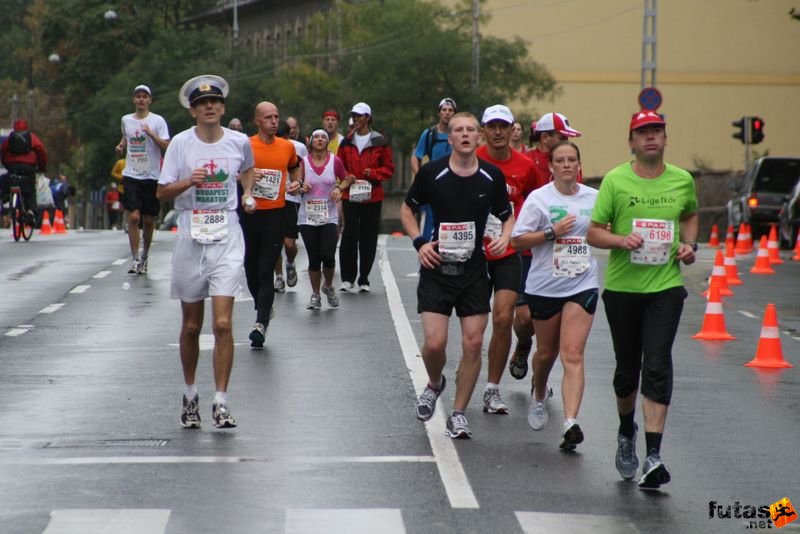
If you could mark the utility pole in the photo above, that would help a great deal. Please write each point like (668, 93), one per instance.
(649, 40)
(476, 48)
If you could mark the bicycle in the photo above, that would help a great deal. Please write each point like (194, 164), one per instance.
(22, 221)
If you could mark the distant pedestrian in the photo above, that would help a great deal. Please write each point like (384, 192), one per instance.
(113, 206)
(235, 125)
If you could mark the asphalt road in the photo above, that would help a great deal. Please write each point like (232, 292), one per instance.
(327, 441)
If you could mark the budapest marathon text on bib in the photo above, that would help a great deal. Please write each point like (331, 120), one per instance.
(571, 256)
(456, 241)
(658, 235)
(267, 184)
(209, 226)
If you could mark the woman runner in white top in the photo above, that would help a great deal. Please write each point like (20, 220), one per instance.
(318, 217)
(561, 289)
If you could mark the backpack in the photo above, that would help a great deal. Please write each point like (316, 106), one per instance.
(19, 142)
(430, 140)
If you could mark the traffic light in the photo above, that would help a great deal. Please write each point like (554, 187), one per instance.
(743, 129)
(756, 130)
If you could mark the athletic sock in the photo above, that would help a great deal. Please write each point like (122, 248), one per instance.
(653, 442)
(626, 425)
(490, 385)
(220, 397)
(189, 391)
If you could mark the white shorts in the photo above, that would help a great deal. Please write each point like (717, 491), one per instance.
(200, 271)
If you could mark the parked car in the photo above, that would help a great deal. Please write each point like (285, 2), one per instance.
(764, 190)
(789, 219)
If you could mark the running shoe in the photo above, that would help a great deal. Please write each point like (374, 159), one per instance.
(457, 426)
(257, 336)
(291, 275)
(279, 285)
(426, 403)
(347, 287)
(221, 416)
(142, 266)
(571, 437)
(190, 416)
(333, 298)
(537, 414)
(315, 303)
(134, 268)
(626, 460)
(493, 403)
(364, 288)
(518, 366)
(654, 473)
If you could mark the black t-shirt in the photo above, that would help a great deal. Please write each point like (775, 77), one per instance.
(455, 198)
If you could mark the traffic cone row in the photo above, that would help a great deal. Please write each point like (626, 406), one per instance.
(713, 240)
(744, 240)
(58, 223)
(46, 229)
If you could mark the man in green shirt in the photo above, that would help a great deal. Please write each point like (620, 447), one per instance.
(646, 213)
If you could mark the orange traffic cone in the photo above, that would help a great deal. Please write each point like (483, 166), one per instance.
(714, 321)
(718, 275)
(796, 256)
(741, 241)
(731, 270)
(773, 247)
(762, 265)
(748, 237)
(58, 223)
(46, 229)
(769, 352)
(729, 237)
(713, 241)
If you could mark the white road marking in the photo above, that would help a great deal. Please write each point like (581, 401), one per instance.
(52, 308)
(14, 332)
(80, 289)
(316, 460)
(353, 521)
(102, 274)
(454, 478)
(206, 342)
(121, 261)
(412, 275)
(547, 523)
(747, 314)
(100, 521)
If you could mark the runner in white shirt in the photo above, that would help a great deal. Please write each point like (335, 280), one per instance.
(318, 217)
(561, 289)
(200, 171)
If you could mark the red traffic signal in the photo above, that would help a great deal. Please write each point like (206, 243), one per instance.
(756, 130)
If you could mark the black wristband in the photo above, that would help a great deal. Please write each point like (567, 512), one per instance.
(419, 241)
(549, 234)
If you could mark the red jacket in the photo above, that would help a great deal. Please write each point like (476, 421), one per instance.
(376, 156)
(34, 160)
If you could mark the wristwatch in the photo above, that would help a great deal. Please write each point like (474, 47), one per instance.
(549, 234)
(692, 244)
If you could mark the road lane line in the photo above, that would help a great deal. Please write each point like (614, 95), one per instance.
(454, 478)
(102, 274)
(119, 521)
(80, 289)
(52, 308)
(747, 314)
(121, 261)
(316, 460)
(14, 332)
(546, 523)
(350, 521)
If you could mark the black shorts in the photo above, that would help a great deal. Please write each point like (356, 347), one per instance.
(544, 308)
(523, 279)
(643, 328)
(505, 272)
(469, 292)
(291, 219)
(141, 195)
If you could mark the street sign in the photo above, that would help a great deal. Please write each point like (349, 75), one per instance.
(650, 98)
